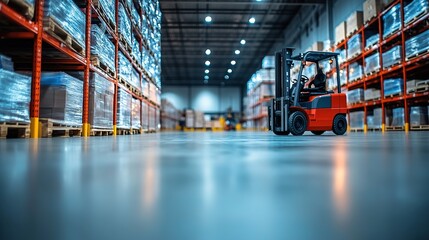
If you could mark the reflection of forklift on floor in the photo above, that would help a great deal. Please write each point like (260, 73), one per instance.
(298, 109)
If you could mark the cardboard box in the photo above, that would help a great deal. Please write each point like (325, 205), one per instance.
(354, 22)
(317, 46)
(370, 9)
(340, 32)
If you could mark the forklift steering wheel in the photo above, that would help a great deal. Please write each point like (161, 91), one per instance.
(304, 79)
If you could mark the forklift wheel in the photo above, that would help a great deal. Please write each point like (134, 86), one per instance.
(297, 123)
(318, 133)
(282, 133)
(340, 125)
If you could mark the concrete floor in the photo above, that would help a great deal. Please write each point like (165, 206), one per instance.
(216, 186)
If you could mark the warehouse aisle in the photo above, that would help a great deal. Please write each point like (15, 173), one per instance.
(216, 186)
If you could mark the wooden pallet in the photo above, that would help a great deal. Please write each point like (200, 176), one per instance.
(95, 60)
(124, 43)
(353, 56)
(121, 131)
(416, 55)
(374, 129)
(51, 128)
(391, 34)
(416, 18)
(421, 127)
(349, 34)
(21, 6)
(136, 131)
(130, 87)
(55, 29)
(355, 80)
(356, 130)
(422, 88)
(395, 128)
(14, 130)
(100, 9)
(101, 132)
(372, 46)
(375, 71)
(392, 95)
(389, 68)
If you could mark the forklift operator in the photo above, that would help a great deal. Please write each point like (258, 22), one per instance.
(319, 81)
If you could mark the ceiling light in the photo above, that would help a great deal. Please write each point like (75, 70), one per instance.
(207, 63)
(229, 70)
(233, 62)
(208, 19)
(206, 77)
(237, 52)
(226, 77)
(207, 71)
(252, 20)
(208, 52)
(243, 42)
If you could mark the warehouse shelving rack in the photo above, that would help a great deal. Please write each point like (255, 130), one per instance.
(404, 69)
(32, 33)
(258, 107)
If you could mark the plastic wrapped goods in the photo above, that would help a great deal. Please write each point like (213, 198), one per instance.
(268, 62)
(355, 96)
(152, 118)
(136, 16)
(14, 97)
(125, 67)
(372, 93)
(392, 20)
(342, 57)
(398, 117)
(124, 109)
(145, 87)
(124, 25)
(417, 44)
(136, 114)
(418, 116)
(108, 7)
(354, 46)
(355, 72)
(67, 15)
(135, 79)
(100, 102)
(357, 120)
(372, 63)
(136, 50)
(6, 63)
(392, 57)
(102, 47)
(145, 116)
(378, 116)
(393, 87)
(61, 98)
(372, 40)
(414, 9)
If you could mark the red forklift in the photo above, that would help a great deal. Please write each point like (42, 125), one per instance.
(297, 108)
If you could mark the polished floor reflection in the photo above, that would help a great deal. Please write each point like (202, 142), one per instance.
(216, 186)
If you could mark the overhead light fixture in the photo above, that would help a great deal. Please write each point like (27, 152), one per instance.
(208, 19)
(243, 42)
(208, 52)
(233, 62)
(237, 52)
(207, 63)
(252, 20)
(226, 77)
(230, 70)
(207, 71)
(206, 77)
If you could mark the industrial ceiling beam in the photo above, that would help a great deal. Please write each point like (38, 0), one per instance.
(247, 2)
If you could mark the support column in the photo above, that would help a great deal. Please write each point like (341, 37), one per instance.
(86, 127)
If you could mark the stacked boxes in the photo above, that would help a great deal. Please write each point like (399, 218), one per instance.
(14, 96)
(414, 9)
(417, 44)
(61, 98)
(108, 7)
(100, 102)
(190, 118)
(170, 115)
(392, 57)
(372, 93)
(357, 120)
(145, 116)
(135, 114)
(374, 121)
(393, 87)
(354, 22)
(355, 72)
(392, 21)
(102, 47)
(124, 109)
(372, 63)
(340, 32)
(355, 96)
(418, 116)
(398, 117)
(354, 46)
(124, 25)
(199, 119)
(371, 9)
(67, 15)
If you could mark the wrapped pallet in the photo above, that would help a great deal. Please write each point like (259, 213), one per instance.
(378, 116)
(125, 68)
(398, 117)
(136, 16)
(100, 102)
(145, 116)
(135, 79)
(136, 50)
(392, 56)
(14, 97)
(108, 8)
(102, 48)
(418, 116)
(354, 46)
(136, 114)
(393, 87)
(372, 93)
(152, 118)
(357, 119)
(355, 96)
(415, 9)
(61, 98)
(392, 20)
(124, 109)
(417, 44)
(370, 9)
(6, 63)
(372, 63)
(355, 72)
(354, 22)
(124, 25)
(145, 88)
(68, 16)
(372, 40)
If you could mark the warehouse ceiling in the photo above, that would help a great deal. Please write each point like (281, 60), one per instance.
(186, 36)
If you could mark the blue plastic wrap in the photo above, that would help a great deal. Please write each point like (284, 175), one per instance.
(136, 114)
(136, 50)
(342, 57)
(393, 87)
(136, 17)
(68, 16)
(355, 96)
(14, 97)
(418, 116)
(357, 119)
(101, 102)
(398, 117)
(124, 109)
(372, 40)
(354, 46)
(372, 63)
(355, 72)
(124, 25)
(6, 63)
(102, 47)
(392, 20)
(392, 57)
(414, 9)
(372, 93)
(108, 7)
(135, 79)
(417, 44)
(124, 67)
(61, 98)
(374, 121)
(145, 116)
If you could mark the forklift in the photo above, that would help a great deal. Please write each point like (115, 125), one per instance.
(296, 108)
